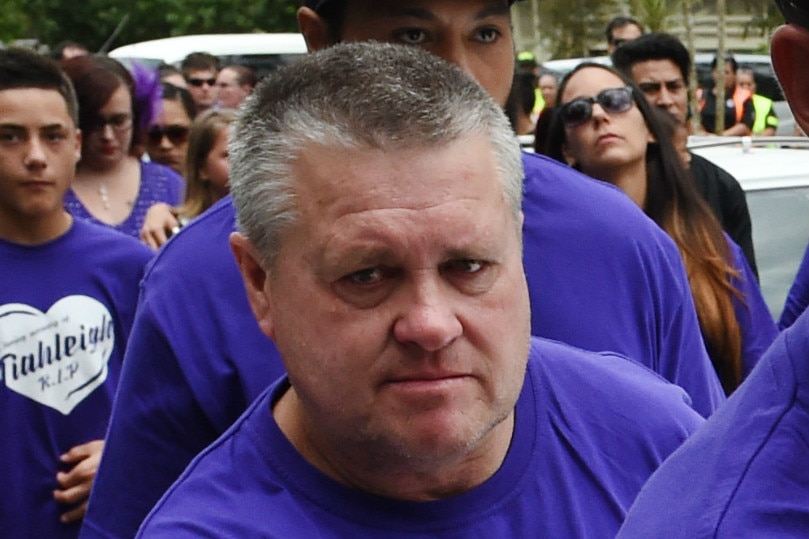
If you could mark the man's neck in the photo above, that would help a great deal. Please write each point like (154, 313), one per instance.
(35, 231)
(393, 476)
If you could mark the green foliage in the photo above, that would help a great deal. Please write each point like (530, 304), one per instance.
(572, 28)
(92, 22)
(654, 14)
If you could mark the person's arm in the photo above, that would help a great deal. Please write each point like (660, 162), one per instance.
(75, 483)
(771, 123)
(159, 225)
(738, 130)
(744, 127)
(156, 428)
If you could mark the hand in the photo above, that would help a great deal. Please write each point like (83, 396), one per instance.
(75, 484)
(158, 225)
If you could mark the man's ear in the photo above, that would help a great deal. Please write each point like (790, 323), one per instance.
(77, 153)
(315, 29)
(256, 281)
(789, 50)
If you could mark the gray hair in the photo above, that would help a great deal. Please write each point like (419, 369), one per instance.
(354, 96)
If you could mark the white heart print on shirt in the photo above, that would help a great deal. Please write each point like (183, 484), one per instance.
(59, 357)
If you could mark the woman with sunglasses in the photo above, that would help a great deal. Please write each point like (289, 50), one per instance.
(206, 173)
(605, 128)
(167, 137)
(113, 186)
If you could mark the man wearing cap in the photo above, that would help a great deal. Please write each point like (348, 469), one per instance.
(744, 473)
(601, 276)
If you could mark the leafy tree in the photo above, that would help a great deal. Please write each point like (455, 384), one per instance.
(655, 14)
(92, 22)
(570, 28)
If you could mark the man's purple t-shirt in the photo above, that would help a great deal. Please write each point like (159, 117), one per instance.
(601, 275)
(755, 321)
(66, 308)
(578, 456)
(744, 473)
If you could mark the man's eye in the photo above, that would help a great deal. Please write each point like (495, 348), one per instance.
(466, 265)
(412, 36)
(488, 35)
(10, 137)
(367, 276)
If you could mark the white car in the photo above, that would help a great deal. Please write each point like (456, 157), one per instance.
(260, 51)
(774, 173)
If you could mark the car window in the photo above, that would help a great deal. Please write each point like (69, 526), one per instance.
(780, 234)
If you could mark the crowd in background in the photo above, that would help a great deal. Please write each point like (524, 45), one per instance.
(148, 156)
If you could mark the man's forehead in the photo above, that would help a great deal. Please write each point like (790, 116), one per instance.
(656, 69)
(33, 103)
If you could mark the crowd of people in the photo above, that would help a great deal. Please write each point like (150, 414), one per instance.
(376, 315)
(746, 111)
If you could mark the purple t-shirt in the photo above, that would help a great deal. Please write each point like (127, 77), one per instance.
(744, 473)
(755, 321)
(602, 276)
(66, 308)
(579, 454)
(158, 183)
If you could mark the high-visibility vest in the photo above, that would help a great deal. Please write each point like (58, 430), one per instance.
(763, 106)
(739, 96)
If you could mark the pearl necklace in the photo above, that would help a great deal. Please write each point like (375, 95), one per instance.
(105, 198)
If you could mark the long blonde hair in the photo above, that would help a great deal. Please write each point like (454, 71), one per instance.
(204, 131)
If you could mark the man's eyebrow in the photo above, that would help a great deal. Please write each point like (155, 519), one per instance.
(20, 127)
(53, 127)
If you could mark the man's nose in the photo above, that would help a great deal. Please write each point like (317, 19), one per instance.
(35, 156)
(427, 318)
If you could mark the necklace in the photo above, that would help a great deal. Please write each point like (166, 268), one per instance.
(105, 198)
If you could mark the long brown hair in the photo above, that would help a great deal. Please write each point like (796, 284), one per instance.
(673, 202)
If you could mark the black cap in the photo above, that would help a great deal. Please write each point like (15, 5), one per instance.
(318, 5)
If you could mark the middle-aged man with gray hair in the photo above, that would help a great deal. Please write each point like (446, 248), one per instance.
(601, 276)
(378, 192)
(745, 473)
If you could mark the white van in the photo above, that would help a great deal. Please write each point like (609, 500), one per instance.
(262, 52)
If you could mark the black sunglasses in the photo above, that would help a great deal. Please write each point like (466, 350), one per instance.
(177, 134)
(794, 13)
(200, 82)
(580, 110)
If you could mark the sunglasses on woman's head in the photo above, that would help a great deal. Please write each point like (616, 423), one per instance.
(795, 12)
(580, 110)
(177, 134)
